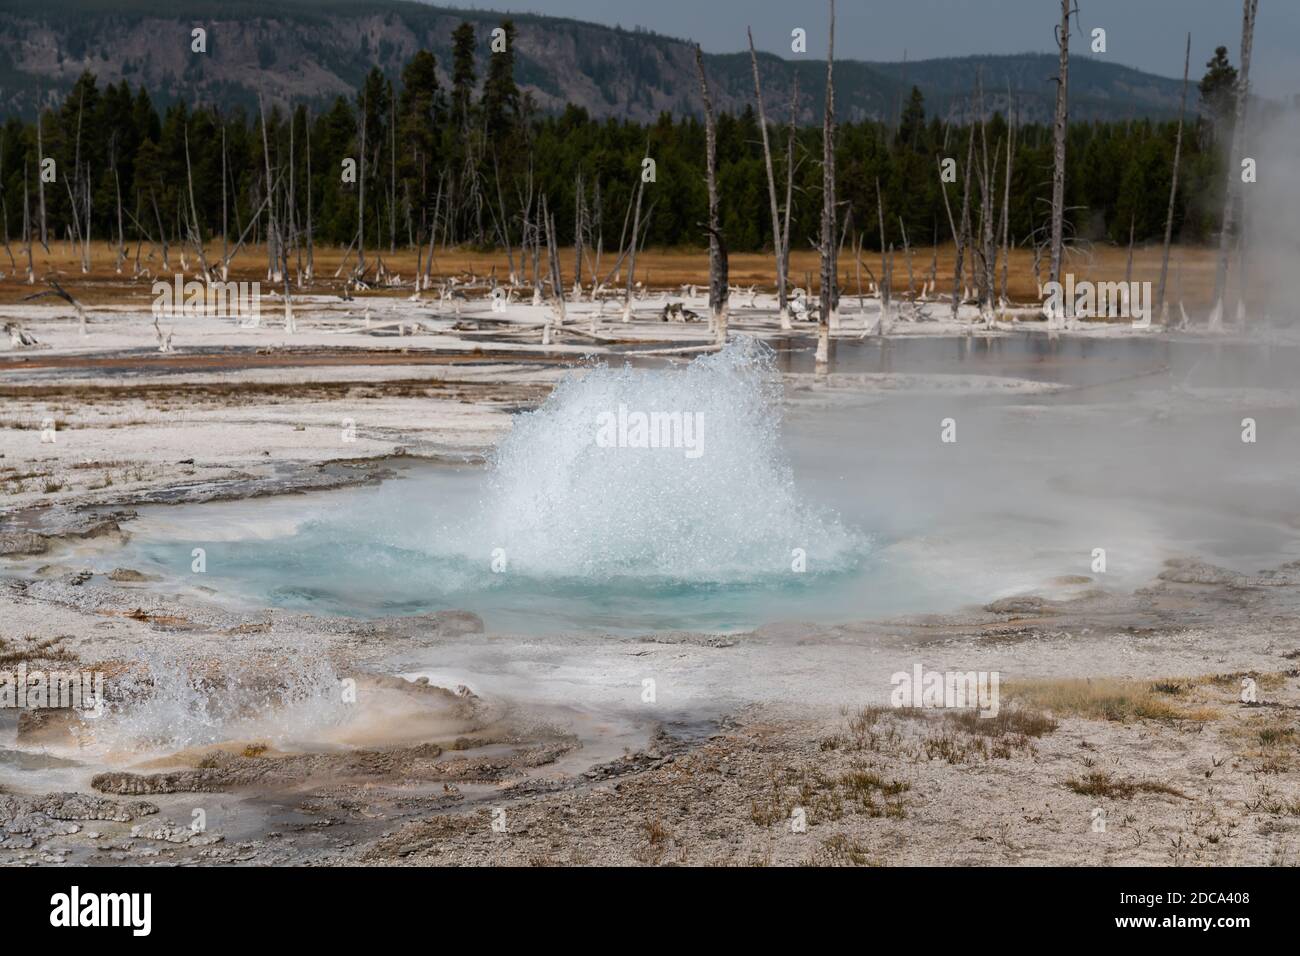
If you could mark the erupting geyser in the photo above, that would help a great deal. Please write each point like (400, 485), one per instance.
(667, 474)
(631, 498)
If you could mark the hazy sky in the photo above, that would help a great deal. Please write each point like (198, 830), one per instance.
(1147, 34)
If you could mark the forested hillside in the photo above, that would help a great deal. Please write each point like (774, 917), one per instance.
(309, 51)
(456, 148)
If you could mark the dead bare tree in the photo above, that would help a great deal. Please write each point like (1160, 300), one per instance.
(907, 251)
(553, 256)
(598, 225)
(392, 173)
(290, 323)
(988, 249)
(777, 249)
(433, 231)
(579, 210)
(1059, 135)
(719, 286)
(231, 253)
(1006, 200)
(886, 293)
(4, 208)
(117, 186)
(857, 269)
(789, 194)
(40, 177)
(827, 320)
(311, 251)
(55, 289)
(27, 228)
(79, 191)
(636, 226)
(1128, 266)
(1232, 195)
(195, 227)
(961, 230)
(271, 232)
(291, 205)
(162, 233)
(956, 239)
(361, 192)
(503, 224)
(934, 256)
(225, 225)
(1161, 304)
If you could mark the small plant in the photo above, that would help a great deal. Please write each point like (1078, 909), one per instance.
(655, 831)
(1099, 783)
(839, 850)
(1008, 721)
(1274, 736)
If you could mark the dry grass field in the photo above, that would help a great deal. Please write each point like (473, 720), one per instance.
(1191, 269)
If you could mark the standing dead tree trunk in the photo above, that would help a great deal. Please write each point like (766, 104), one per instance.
(719, 288)
(290, 323)
(989, 240)
(361, 194)
(1059, 132)
(1128, 265)
(311, 252)
(4, 209)
(636, 226)
(1232, 195)
(225, 224)
(553, 259)
(76, 218)
(40, 178)
(962, 232)
(504, 223)
(85, 245)
(789, 194)
(1161, 304)
(988, 188)
(777, 249)
(82, 189)
(433, 233)
(27, 228)
(291, 206)
(934, 258)
(392, 173)
(857, 272)
(196, 228)
(271, 235)
(598, 228)
(907, 251)
(886, 293)
(828, 320)
(579, 225)
(162, 233)
(1006, 203)
(956, 239)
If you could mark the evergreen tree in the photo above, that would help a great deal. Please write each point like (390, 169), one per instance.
(1218, 91)
(500, 94)
(462, 73)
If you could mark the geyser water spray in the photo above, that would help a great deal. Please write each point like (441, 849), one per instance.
(673, 473)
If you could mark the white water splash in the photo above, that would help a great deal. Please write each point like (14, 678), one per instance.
(169, 702)
(562, 506)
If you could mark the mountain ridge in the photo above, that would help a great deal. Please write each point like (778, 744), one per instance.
(299, 51)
